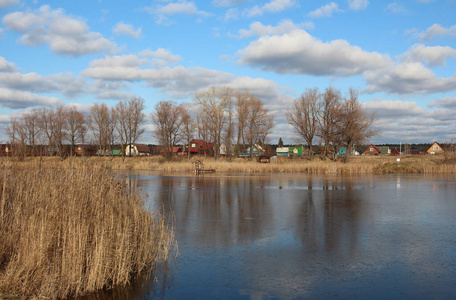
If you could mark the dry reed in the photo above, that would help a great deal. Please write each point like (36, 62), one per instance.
(69, 232)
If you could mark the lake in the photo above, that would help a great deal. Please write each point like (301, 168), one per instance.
(288, 236)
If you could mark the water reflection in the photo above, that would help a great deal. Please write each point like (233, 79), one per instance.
(293, 236)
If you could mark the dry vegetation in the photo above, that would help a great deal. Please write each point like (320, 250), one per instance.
(68, 232)
(357, 165)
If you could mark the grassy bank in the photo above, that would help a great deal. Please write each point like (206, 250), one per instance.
(68, 232)
(356, 165)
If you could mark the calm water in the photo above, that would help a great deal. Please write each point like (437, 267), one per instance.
(299, 236)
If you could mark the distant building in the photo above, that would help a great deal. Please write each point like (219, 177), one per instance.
(372, 150)
(435, 149)
(137, 150)
(384, 150)
(282, 151)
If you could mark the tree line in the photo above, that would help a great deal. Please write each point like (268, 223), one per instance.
(104, 127)
(337, 120)
(218, 115)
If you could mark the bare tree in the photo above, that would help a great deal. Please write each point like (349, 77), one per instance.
(214, 104)
(303, 116)
(168, 118)
(17, 133)
(355, 123)
(100, 122)
(60, 131)
(129, 119)
(32, 128)
(257, 124)
(242, 104)
(47, 125)
(329, 119)
(75, 122)
(188, 126)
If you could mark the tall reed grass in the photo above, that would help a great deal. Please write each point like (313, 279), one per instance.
(69, 232)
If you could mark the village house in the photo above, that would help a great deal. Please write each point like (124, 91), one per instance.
(282, 151)
(137, 150)
(5, 150)
(175, 151)
(85, 150)
(435, 149)
(200, 147)
(372, 150)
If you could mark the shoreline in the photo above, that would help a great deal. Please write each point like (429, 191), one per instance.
(408, 164)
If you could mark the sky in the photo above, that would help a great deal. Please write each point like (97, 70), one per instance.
(400, 56)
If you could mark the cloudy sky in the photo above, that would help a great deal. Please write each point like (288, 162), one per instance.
(400, 55)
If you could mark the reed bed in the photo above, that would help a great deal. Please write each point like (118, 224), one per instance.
(356, 165)
(68, 232)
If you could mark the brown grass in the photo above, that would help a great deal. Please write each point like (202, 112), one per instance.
(356, 165)
(68, 232)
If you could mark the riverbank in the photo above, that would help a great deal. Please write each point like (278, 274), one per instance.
(70, 232)
(427, 164)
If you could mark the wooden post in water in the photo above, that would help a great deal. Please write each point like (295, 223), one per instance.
(199, 167)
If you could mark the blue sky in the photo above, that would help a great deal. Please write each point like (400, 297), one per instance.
(399, 54)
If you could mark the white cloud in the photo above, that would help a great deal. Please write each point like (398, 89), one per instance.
(408, 78)
(6, 66)
(115, 95)
(447, 102)
(297, 52)
(21, 99)
(161, 12)
(389, 109)
(436, 30)
(127, 29)
(358, 4)
(227, 2)
(273, 6)
(431, 56)
(161, 57)
(284, 26)
(396, 8)
(325, 11)
(231, 14)
(5, 3)
(63, 34)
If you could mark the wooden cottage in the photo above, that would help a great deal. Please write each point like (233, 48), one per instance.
(200, 147)
(435, 149)
(395, 152)
(175, 151)
(85, 150)
(372, 150)
(137, 150)
(6, 150)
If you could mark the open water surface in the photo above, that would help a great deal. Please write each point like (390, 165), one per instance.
(293, 236)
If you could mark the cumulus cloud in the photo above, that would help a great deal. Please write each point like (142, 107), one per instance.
(5, 3)
(406, 121)
(162, 12)
(435, 31)
(161, 57)
(127, 29)
(21, 99)
(273, 6)
(284, 26)
(447, 102)
(408, 78)
(358, 4)
(64, 34)
(431, 56)
(325, 11)
(297, 52)
(6, 66)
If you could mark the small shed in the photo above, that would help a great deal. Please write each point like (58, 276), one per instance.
(297, 151)
(282, 151)
(372, 150)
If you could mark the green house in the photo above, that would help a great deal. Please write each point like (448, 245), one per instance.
(385, 150)
(297, 151)
(116, 152)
